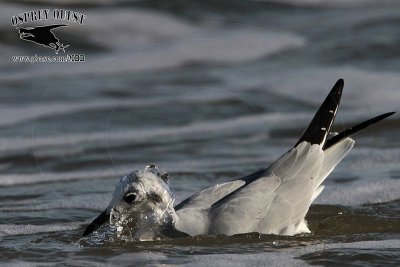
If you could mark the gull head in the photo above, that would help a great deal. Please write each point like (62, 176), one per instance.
(142, 205)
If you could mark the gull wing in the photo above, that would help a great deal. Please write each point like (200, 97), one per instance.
(275, 203)
(208, 196)
(192, 213)
(319, 127)
(274, 200)
(315, 133)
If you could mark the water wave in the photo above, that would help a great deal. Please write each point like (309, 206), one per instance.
(290, 257)
(240, 124)
(28, 229)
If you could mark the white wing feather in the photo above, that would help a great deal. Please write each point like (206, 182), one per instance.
(275, 203)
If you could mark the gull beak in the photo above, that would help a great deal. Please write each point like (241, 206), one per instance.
(99, 221)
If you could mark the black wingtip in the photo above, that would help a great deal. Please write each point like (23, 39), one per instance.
(355, 129)
(320, 125)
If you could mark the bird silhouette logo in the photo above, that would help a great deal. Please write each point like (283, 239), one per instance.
(43, 35)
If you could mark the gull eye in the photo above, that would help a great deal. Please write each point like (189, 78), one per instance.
(130, 198)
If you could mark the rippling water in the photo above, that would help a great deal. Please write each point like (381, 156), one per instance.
(208, 91)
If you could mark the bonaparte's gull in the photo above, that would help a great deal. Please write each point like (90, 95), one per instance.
(274, 200)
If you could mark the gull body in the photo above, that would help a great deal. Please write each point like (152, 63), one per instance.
(274, 200)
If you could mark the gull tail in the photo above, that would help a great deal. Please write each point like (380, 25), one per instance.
(355, 129)
(337, 147)
(318, 129)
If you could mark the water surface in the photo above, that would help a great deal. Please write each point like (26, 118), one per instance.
(209, 92)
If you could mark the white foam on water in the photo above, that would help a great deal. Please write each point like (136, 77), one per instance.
(251, 259)
(26, 264)
(332, 3)
(90, 201)
(365, 91)
(27, 229)
(184, 166)
(19, 179)
(139, 258)
(361, 192)
(249, 123)
(285, 257)
(31, 112)
(288, 257)
(372, 161)
(372, 169)
(134, 28)
(361, 95)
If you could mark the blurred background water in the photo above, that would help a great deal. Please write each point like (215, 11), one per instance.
(209, 91)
